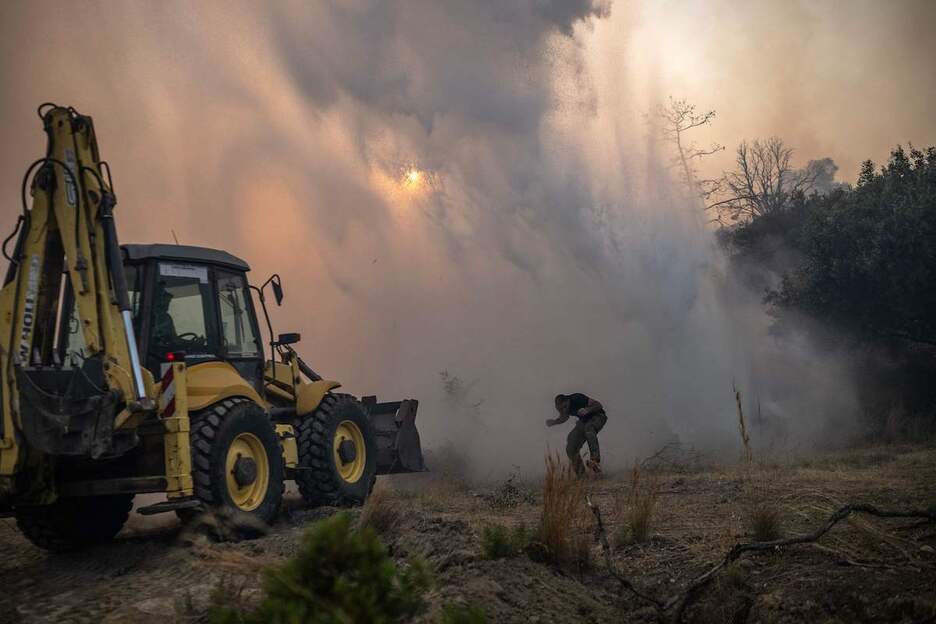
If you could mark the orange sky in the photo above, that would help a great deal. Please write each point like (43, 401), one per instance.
(847, 79)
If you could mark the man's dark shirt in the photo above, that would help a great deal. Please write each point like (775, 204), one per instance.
(576, 402)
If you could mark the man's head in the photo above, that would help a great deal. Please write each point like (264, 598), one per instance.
(562, 403)
(162, 298)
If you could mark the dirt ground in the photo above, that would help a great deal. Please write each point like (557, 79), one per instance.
(864, 570)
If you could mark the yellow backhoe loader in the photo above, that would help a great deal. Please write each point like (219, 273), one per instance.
(140, 368)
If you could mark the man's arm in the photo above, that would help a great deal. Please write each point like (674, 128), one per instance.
(557, 421)
(592, 408)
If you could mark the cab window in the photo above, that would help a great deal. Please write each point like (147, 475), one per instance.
(238, 338)
(181, 318)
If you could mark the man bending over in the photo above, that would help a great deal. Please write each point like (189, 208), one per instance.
(591, 418)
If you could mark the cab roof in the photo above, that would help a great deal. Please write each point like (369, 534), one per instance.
(139, 253)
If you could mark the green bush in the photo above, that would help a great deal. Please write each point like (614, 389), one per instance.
(500, 542)
(462, 614)
(338, 576)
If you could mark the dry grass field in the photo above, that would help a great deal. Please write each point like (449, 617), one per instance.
(528, 551)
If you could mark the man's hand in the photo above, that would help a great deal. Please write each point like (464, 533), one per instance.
(557, 421)
(582, 412)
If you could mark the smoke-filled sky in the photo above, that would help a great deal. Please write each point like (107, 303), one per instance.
(473, 187)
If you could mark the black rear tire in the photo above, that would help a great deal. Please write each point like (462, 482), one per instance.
(74, 523)
(319, 477)
(214, 430)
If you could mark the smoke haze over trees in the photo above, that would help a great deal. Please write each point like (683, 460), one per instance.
(859, 260)
(472, 188)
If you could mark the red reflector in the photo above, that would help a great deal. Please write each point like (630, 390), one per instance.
(175, 356)
(170, 356)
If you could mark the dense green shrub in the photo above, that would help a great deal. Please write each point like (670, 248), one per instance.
(869, 261)
(858, 265)
(339, 575)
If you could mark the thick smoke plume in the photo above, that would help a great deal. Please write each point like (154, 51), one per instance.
(444, 186)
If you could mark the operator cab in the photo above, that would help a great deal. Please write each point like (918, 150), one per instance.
(195, 301)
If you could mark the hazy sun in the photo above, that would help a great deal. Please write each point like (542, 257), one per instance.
(413, 179)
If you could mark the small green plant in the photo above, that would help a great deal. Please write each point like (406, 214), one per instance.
(461, 614)
(228, 593)
(338, 575)
(500, 542)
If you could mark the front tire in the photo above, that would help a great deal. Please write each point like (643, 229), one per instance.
(236, 459)
(337, 453)
(74, 523)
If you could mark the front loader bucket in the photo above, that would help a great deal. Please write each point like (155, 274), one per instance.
(398, 446)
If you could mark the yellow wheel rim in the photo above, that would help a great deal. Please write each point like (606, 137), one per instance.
(248, 471)
(350, 469)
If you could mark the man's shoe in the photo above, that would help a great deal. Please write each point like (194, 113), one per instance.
(595, 465)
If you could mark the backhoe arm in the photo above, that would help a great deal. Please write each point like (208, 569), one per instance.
(69, 231)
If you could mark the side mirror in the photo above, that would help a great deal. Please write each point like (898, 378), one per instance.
(288, 339)
(277, 291)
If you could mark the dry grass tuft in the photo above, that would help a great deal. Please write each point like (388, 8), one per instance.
(563, 527)
(636, 509)
(381, 514)
(229, 561)
(764, 521)
(762, 514)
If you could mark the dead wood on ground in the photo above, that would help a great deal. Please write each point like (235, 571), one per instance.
(680, 602)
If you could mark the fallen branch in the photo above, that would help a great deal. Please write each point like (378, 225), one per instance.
(602, 535)
(843, 559)
(681, 602)
(673, 456)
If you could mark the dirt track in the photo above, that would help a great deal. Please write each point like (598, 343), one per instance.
(864, 570)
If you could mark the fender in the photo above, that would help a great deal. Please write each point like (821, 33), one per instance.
(311, 394)
(211, 382)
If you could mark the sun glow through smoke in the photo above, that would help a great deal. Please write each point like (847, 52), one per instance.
(414, 179)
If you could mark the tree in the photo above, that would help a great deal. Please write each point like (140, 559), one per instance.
(870, 254)
(677, 117)
(764, 181)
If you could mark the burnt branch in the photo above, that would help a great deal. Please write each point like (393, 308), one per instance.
(676, 118)
(602, 535)
(681, 602)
